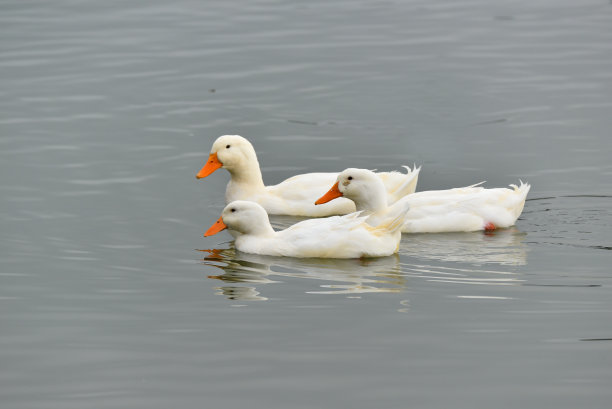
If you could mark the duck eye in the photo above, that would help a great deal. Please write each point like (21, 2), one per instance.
(228, 146)
(232, 210)
(350, 178)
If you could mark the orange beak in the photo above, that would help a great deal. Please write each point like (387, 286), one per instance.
(211, 165)
(216, 228)
(333, 193)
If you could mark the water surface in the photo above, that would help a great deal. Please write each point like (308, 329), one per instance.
(111, 298)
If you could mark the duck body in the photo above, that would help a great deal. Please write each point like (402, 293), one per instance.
(463, 209)
(347, 236)
(295, 195)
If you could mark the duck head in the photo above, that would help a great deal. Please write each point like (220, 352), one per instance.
(362, 186)
(231, 152)
(242, 217)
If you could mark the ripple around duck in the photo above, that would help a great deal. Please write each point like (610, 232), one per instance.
(581, 221)
(346, 276)
(382, 275)
(503, 247)
(472, 256)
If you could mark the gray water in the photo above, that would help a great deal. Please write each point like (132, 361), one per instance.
(111, 298)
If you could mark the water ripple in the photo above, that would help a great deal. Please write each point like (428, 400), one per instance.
(111, 181)
(348, 277)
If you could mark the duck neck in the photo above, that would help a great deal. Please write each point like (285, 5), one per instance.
(258, 227)
(247, 173)
(372, 201)
(265, 230)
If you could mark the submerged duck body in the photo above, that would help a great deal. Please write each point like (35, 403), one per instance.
(463, 209)
(295, 195)
(346, 236)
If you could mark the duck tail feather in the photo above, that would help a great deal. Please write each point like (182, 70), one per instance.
(409, 181)
(395, 221)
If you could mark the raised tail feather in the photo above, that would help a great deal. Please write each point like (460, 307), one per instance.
(400, 184)
(522, 190)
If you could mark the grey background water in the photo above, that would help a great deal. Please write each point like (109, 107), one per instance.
(109, 108)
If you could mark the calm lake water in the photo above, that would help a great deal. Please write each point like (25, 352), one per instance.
(111, 298)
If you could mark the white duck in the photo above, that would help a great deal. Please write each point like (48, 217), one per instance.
(333, 237)
(469, 208)
(295, 195)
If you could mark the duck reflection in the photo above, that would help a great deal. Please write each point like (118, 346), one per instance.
(240, 293)
(339, 276)
(503, 247)
(451, 258)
